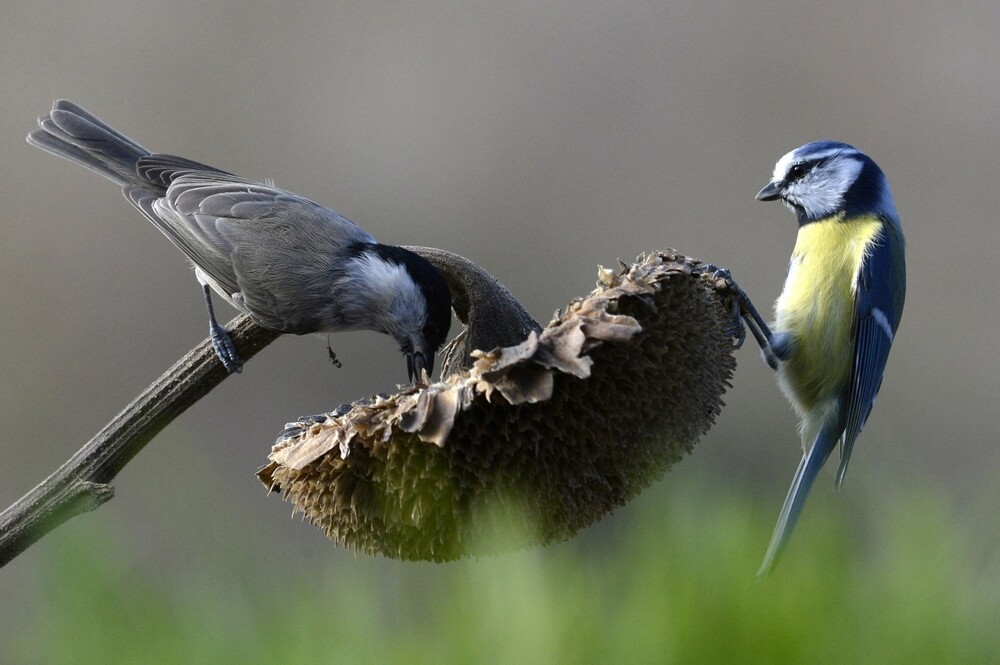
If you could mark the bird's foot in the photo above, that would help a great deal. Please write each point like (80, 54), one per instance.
(772, 349)
(723, 281)
(224, 348)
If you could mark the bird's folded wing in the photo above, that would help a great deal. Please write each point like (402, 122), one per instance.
(877, 309)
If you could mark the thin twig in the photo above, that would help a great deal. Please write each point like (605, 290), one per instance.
(82, 483)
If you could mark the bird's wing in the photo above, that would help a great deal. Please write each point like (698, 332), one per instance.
(289, 261)
(878, 306)
(263, 243)
(211, 257)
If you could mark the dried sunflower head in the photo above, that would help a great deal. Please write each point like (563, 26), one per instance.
(545, 436)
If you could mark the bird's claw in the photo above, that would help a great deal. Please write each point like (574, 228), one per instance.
(723, 281)
(738, 331)
(225, 350)
(717, 272)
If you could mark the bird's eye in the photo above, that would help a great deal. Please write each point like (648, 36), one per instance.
(797, 171)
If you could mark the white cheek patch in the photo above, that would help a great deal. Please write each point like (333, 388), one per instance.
(390, 277)
(392, 299)
(883, 321)
(837, 176)
(821, 192)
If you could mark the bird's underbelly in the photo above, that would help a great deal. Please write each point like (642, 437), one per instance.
(816, 308)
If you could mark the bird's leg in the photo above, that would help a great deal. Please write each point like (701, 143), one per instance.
(221, 341)
(773, 347)
(766, 340)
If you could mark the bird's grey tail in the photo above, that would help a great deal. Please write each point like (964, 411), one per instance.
(73, 133)
(805, 476)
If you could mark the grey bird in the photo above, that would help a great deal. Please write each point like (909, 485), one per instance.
(293, 265)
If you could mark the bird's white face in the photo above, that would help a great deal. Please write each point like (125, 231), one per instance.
(393, 301)
(815, 181)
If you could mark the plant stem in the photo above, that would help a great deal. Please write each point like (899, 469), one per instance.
(82, 483)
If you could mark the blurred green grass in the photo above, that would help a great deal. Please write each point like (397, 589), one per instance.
(670, 581)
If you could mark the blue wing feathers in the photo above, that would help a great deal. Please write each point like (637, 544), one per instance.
(877, 310)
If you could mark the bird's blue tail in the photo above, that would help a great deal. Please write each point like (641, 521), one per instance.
(805, 476)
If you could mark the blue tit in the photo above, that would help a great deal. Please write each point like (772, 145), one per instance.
(837, 315)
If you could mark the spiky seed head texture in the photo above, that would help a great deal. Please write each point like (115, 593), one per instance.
(548, 435)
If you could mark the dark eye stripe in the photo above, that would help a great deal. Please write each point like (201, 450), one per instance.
(799, 169)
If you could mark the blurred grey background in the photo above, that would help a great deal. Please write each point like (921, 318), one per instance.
(536, 138)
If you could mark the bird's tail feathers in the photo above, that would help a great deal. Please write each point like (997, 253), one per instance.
(845, 457)
(73, 133)
(805, 476)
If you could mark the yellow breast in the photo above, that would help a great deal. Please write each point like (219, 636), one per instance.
(817, 305)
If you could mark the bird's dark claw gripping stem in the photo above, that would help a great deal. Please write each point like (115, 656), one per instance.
(221, 342)
(744, 311)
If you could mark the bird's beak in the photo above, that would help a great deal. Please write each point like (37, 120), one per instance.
(769, 193)
(418, 363)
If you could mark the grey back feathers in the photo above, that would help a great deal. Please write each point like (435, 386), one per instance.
(269, 252)
(293, 265)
